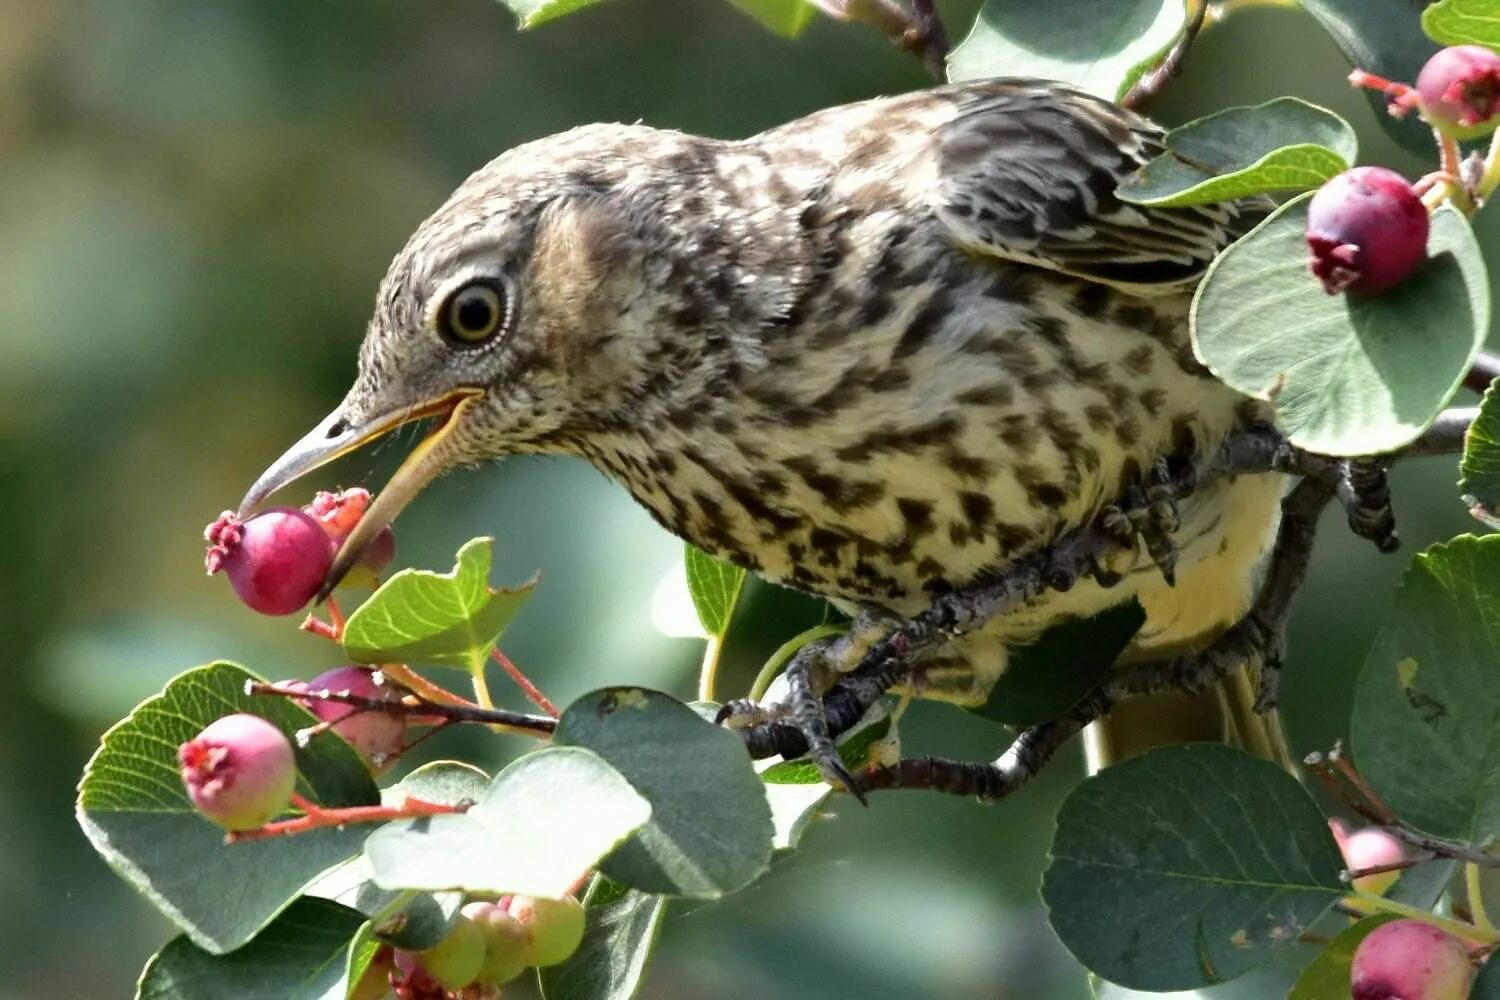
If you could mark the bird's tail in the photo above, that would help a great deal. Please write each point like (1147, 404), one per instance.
(1224, 713)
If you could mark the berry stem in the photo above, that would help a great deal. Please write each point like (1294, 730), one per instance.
(531, 691)
(315, 817)
(1490, 178)
(1457, 928)
(1475, 891)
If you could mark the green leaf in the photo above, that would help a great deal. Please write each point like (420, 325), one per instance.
(854, 751)
(362, 950)
(1183, 867)
(299, 956)
(1479, 471)
(617, 942)
(133, 809)
(710, 830)
(544, 821)
(1348, 374)
(1328, 975)
(787, 18)
(715, 586)
(1426, 727)
(1095, 47)
(1463, 22)
(419, 616)
(1487, 983)
(534, 12)
(1045, 679)
(1384, 37)
(402, 917)
(793, 808)
(1284, 144)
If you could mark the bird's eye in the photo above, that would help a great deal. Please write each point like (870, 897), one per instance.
(474, 313)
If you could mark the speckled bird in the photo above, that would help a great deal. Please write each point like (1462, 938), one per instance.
(873, 354)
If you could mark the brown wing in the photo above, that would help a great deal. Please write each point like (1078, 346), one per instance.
(1027, 170)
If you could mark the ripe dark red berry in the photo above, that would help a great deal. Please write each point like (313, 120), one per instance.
(1366, 231)
(378, 736)
(1458, 90)
(240, 771)
(275, 561)
(1410, 960)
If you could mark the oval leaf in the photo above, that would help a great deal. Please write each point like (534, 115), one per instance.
(1096, 47)
(710, 831)
(534, 12)
(1348, 374)
(1463, 22)
(617, 943)
(418, 616)
(787, 18)
(301, 955)
(1045, 679)
(1384, 37)
(543, 822)
(1426, 727)
(1183, 867)
(1328, 975)
(1479, 472)
(133, 809)
(1284, 144)
(715, 586)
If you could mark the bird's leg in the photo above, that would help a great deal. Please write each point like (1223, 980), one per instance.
(1365, 493)
(1257, 638)
(1148, 511)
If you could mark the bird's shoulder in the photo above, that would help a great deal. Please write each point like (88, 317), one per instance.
(1024, 170)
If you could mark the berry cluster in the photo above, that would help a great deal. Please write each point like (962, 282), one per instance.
(1367, 228)
(277, 560)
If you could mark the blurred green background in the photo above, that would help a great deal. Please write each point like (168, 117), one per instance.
(197, 199)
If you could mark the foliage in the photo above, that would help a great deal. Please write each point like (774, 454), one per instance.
(1183, 868)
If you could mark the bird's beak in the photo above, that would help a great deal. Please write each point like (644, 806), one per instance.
(335, 437)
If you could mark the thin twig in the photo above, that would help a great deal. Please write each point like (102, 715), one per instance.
(918, 31)
(1144, 92)
(421, 709)
(531, 691)
(316, 817)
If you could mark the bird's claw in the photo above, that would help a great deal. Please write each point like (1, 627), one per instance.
(1147, 511)
(1365, 494)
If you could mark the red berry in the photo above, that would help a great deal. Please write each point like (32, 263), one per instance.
(275, 561)
(1366, 230)
(239, 771)
(378, 736)
(1410, 960)
(1370, 847)
(1460, 86)
(411, 981)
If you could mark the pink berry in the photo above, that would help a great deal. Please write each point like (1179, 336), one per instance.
(410, 979)
(1410, 960)
(1460, 86)
(339, 512)
(378, 736)
(239, 772)
(275, 561)
(1366, 230)
(1369, 847)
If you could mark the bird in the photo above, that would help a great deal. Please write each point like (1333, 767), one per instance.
(875, 354)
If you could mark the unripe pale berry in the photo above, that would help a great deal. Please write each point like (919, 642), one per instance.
(555, 926)
(507, 943)
(1410, 960)
(1458, 90)
(456, 960)
(1369, 847)
(1366, 231)
(378, 736)
(240, 771)
(275, 561)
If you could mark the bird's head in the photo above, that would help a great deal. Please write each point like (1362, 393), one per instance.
(502, 318)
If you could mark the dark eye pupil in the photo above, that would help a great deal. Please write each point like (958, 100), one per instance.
(475, 313)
